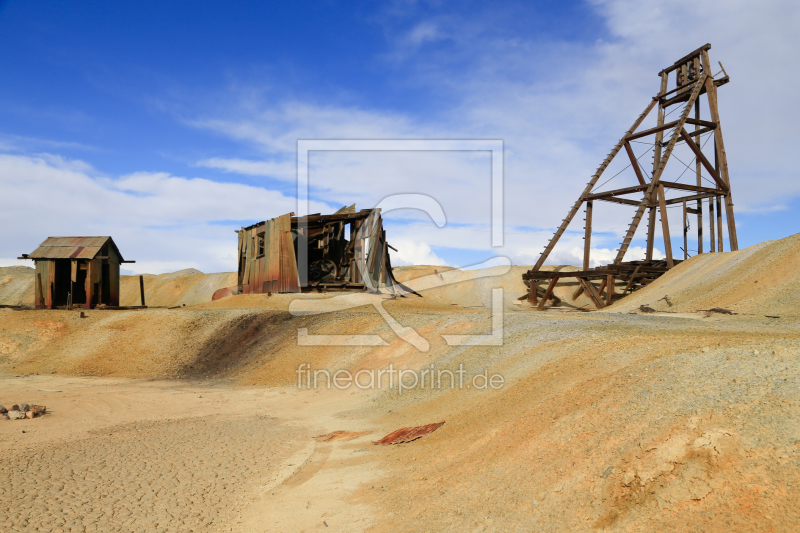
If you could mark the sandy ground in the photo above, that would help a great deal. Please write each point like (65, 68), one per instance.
(191, 419)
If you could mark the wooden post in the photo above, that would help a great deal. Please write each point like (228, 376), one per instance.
(548, 293)
(713, 247)
(587, 243)
(141, 289)
(651, 222)
(685, 233)
(651, 233)
(711, 92)
(532, 298)
(698, 167)
(719, 224)
(665, 226)
(610, 282)
(89, 285)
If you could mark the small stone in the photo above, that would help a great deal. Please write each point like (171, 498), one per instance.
(4, 416)
(14, 407)
(15, 415)
(3, 410)
(24, 407)
(40, 409)
(30, 414)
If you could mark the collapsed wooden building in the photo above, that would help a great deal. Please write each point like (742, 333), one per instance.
(693, 78)
(344, 251)
(76, 272)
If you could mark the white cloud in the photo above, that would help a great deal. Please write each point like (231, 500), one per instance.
(414, 253)
(163, 222)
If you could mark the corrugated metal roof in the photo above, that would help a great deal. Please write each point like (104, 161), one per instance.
(71, 248)
(65, 252)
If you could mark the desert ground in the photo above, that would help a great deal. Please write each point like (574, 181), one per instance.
(191, 419)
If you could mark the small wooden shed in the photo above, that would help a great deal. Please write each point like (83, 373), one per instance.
(78, 272)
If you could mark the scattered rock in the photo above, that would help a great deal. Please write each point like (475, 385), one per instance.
(39, 409)
(3, 410)
(15, 415)
(646, 309)
(24, 407)
(14, 407)
(30, 414)
(3, 416)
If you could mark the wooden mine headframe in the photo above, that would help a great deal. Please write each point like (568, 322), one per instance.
(693, 79)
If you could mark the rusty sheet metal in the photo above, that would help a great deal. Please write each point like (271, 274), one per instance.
(70, 248)
(65, 252)
(340, 435)
(408, 434)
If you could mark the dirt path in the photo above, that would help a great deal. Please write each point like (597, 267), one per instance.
(123, 455)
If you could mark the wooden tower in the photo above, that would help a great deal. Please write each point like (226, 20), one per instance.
(692, 79)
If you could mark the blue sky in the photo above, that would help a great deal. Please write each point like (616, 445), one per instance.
(170, 124)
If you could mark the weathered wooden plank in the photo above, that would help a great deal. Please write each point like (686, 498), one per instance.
(687, 187)
(711, 91)
(592, 293)
(631, 280)
(634, 163)
(547, 294)
(611, 281)
(141, 290)
(587, 242)
(616, 192)
(665, 225)
(702, 160)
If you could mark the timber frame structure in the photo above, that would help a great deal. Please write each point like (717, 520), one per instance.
(693, 78)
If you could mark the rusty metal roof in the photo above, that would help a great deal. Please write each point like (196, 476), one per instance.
(408, 434)
(71, 248)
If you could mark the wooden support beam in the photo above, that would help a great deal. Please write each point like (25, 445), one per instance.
(651, 131)
(591, 292)
(534, 287)
(547, 294)
(651, 221)
(711, 91)
(622, 201)
(631, 280)
(665, 226)
(578, 291)
(603, 286)
(674, 201)
(687, 187)
(611, 281)
(711, 233)
(617, 192)
(697, 168)
(141, 289)
(718, 201)
(587, 242)
(702, 160)
(634, 163)
(698, 132)
(651, 231)
(685, 234)
(697, 122)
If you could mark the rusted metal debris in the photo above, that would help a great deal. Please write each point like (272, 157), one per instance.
(693, 78)
(408, 434)
(340, 435)
(719, 310)
(80, 272)
(345, 251)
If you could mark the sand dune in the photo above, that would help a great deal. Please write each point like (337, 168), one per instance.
(605, 421)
